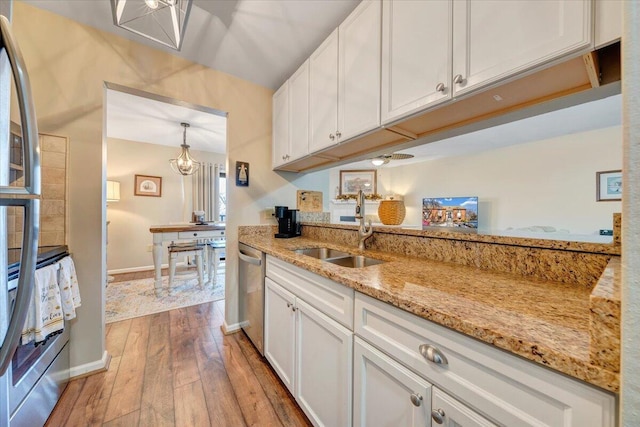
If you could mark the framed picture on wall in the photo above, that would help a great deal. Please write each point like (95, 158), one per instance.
(145, 185)
(609, 186)
(354, 180)
(242, 174)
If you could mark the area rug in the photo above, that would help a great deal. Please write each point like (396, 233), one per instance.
(135, 298)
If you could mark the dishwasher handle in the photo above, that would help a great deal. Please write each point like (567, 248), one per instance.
(251, 260)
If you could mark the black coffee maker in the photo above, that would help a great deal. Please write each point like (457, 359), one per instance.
(288, 222)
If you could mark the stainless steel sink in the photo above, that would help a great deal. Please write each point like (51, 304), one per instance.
(321, 253)
(355, 261)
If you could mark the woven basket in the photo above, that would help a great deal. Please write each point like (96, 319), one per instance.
(391, 212)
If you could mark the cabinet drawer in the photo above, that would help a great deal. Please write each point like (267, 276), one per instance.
(501, 386)
(200, 234)
(331, 298)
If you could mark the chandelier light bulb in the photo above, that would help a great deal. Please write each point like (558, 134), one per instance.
(152, 4)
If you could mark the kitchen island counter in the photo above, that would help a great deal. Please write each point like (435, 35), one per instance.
(548, 322)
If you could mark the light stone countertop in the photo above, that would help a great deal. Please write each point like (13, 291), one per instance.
(544, 321)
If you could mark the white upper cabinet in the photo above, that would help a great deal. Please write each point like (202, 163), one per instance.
(359, 71)
(291, 118)
(323, 94)
(416, 56)
(345, 79)
(280, 135)
(494, 40)
(299, 112)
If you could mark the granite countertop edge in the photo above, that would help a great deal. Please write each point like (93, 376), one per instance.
(572, 359)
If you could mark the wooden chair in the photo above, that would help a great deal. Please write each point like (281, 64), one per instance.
(215, 249)
(186, 249)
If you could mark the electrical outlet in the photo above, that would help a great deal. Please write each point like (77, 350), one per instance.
(149, 248)
(268, 213)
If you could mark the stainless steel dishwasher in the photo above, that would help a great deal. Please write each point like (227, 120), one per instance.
(251, 272)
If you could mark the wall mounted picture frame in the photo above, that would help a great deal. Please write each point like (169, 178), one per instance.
(147, 185)
(242, 174)
(609, 186)
(353, 180)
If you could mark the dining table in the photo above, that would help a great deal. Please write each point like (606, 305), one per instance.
(179, 232)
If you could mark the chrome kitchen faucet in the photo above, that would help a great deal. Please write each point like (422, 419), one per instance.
(364, 232)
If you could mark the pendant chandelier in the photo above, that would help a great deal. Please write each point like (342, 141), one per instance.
(184, 164)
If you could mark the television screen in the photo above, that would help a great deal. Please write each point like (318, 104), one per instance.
(450, 212)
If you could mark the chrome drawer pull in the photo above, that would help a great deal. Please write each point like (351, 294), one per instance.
(416, 399)
(438, 415)
(432, 354)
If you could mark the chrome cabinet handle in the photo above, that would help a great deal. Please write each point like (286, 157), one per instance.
(440, 87)
(331, 137)
(416, 399)
(27, 116)
(438, 415)
(25, 277)
(458, 79)
(289, 305)
(432, 354)
(283, 157)
(338, 134)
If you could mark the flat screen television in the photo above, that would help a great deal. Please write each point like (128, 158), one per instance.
(454, 212)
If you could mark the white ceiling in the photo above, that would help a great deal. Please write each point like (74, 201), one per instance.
(141, 119)
(263, 41)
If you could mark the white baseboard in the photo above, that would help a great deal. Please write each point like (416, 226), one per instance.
(230, 329)
(91, 367)
(142, 268)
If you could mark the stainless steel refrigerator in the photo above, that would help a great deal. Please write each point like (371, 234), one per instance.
(22, 198)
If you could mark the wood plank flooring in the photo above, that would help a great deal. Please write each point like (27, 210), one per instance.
(177, 368)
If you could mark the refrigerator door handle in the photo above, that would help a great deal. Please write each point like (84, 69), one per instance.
(25, 286)
(27, 116)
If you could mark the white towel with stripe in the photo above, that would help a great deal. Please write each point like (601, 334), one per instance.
(45, 312)
(69, 290)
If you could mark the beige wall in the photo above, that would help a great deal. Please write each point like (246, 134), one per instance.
(549, 182)
(68, 64)
(130, 218)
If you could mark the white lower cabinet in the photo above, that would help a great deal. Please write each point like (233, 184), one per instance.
(323, 367)
(311, 352)
(386, 394)
(279, 331)
(504, 388)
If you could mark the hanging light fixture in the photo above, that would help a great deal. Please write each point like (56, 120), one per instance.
(184, 164)
(163, 21)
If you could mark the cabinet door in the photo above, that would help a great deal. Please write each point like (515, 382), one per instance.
(323, 94)
(493, 40)
(448, 412)
(299, 112)
(386, 394)
(416, 56)
(359, 71)
(324, 367)
(280, 143)
(279, 331)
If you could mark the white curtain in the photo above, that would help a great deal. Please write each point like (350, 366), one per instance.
(206, 191)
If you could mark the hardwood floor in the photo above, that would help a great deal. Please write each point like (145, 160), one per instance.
(178, 369)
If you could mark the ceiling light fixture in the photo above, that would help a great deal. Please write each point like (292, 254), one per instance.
(163, 21)
(184, 164)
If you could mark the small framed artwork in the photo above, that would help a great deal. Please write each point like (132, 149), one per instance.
(145, 185)
(609, 186)
(242, 174)
(353, 180)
